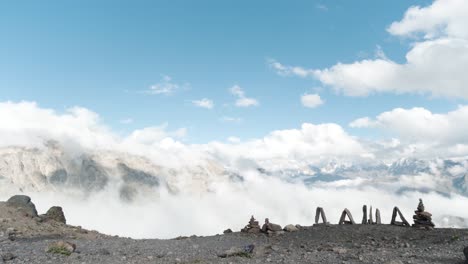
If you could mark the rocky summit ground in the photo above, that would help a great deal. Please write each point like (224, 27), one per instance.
(32, 238)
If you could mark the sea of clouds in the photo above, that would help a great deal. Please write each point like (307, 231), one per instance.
(223, 203)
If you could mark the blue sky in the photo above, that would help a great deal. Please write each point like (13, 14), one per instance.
(106, 56)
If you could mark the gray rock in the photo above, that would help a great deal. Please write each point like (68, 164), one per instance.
(403, 222)
(11, 233)
(8, 256)
(343, 220)
(320, 213)
(290, 228)
(339, 250)
(238, 252)
(378, 219)
(270, 227)
(24, 203)
(364, 215)
(420, 206)
(103, 251)
(394, 262)
(465, 251)
(55, 213)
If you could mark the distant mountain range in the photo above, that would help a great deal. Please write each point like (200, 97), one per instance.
(51, 168)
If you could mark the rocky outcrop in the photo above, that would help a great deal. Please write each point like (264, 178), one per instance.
(55, 213)
(290, 228)
(17, 222)
(23, 203)
(270, 227)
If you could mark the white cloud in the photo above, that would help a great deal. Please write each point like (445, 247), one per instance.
(25, 123)
(126, 121)
(311, 144)
(443, 18)
(438, 134)
(154, 135)
(361, 122)
(233, 140)
(166, 86)
(434, 65)
(289, 70)
(204, 103)
(321, 7)
(246, 102)
(242, 100)
(231, 119)
(311, 100)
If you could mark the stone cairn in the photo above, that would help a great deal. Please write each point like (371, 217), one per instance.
(422, 218)
(252, 227)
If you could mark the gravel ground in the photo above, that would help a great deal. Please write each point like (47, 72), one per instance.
(321, 244)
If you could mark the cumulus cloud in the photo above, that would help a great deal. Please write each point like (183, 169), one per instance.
(434, 64)
(443, 18)
(423, 128)
(204, 103)
(166, 86)
(311, 100)
(26, 124)
(154, 135)
(192, 167)
(242, 100)
(311, 144)
(420, 124)
(361, 122)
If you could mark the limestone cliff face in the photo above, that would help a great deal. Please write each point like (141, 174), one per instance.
(52, 168)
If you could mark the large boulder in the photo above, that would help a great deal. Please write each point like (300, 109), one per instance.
(55, 213)
(290, 228)
(271, 227)
(24, 203)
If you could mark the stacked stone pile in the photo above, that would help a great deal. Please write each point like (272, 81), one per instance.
(421, 217)
(252, 227)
